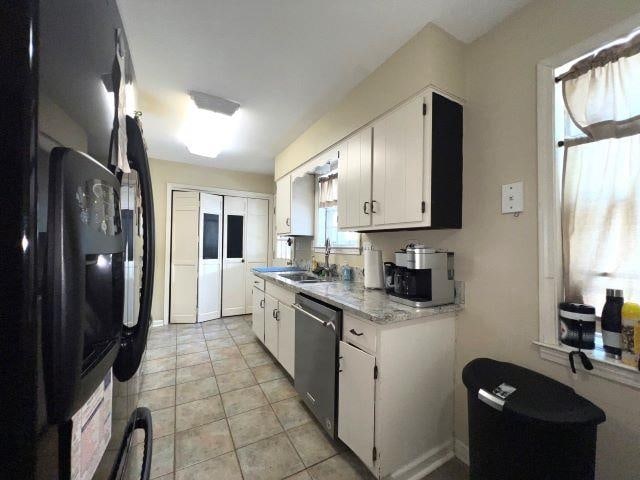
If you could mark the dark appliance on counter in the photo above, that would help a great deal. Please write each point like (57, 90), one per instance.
(424, 277)
(389, 274)
(318, 332)
(75, 316)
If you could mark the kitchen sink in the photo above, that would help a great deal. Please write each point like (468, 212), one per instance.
(301, 277)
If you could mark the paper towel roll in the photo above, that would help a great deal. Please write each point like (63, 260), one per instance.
(373, 270)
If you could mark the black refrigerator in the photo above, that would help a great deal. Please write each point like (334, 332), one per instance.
(77, 252)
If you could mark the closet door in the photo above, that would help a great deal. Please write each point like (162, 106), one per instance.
(234, 247)
(257, 248)
(184, 257)
(210, 257)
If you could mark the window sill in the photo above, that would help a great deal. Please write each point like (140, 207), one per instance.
(340, 250)
(603, 366)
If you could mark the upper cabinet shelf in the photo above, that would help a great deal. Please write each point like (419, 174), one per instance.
(404, 170)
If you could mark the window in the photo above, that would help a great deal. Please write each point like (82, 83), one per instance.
(589, 172)
(600, 216)
(327, 218)
(210, 236)
(235, 235)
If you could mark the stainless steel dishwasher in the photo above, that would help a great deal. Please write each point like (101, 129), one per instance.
(318, 331)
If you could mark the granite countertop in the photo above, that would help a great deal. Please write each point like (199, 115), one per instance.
(372, 305)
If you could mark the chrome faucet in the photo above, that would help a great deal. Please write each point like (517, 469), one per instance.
(327, 252)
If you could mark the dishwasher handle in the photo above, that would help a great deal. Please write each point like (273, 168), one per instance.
(316, 318)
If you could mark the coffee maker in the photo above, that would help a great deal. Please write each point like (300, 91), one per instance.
(424, 277)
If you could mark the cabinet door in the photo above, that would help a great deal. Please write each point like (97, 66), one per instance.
(356, 397)
(302, 207)
(249, 279)
(354, 181)
(271, 324)
(257, 316)
(286, 337)
(398, 165)
(283, 205)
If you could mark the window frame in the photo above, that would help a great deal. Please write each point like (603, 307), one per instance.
(334, 249)
(550, 129)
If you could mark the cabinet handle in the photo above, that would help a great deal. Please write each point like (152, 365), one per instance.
(256, 282)
(262, 303)
(277, 315)
(373, 203)
(288, 222)
(364, 207)
(273, 314)
(356, 333)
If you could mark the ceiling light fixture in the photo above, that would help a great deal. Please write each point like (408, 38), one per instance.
(208, 127)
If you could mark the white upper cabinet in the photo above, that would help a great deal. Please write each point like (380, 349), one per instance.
(398, 163)
(283, 205)
(354, 181)
(295, 205)
(405, 169)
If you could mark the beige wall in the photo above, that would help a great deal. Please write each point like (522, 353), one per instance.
(431, 57)
(497, 255)
(164, 172)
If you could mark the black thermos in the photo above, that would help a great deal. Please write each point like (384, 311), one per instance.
(612, 323)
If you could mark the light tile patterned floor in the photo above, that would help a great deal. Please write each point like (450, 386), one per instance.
(223, 409)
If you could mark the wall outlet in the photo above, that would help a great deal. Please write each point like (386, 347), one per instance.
(513, 197)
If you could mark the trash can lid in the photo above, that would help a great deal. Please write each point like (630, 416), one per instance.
(536, 398)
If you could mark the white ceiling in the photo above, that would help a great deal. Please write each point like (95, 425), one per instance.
(287, 62)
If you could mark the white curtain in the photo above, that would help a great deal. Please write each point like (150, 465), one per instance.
(601, 178)
(601, 92)
(601, 220)
(328, 186)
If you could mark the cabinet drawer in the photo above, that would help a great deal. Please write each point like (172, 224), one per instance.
(359, 333)
(257, 282)
(285, 296)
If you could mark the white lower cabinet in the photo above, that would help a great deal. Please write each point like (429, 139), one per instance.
(257, 315)
(286, 336)
(395, 393)
(356, 385)
(271, 324)
(279, 331)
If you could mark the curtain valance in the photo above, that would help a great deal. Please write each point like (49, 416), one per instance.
(328, 186)
(602, 94)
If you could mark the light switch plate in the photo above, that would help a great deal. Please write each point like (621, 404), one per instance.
(513, 197)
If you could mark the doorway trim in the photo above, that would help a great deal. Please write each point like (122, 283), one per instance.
(171, 187)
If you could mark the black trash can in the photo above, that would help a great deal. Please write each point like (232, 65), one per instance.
(523, 425)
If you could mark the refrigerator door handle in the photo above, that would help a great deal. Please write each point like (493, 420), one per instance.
(134, 339)
(140, 419)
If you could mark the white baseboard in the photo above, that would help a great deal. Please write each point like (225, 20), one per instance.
(157, 323)
(424, 464)
(461, 450)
